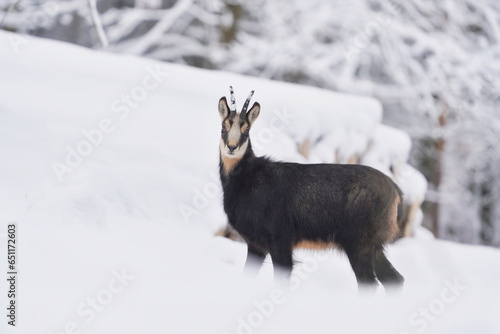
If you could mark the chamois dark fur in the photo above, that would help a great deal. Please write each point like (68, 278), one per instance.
(279, 206)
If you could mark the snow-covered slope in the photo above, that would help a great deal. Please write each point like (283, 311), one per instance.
(109, 167)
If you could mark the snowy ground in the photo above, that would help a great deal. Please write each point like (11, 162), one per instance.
(115, 226)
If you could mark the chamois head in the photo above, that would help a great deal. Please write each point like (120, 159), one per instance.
(236, 126)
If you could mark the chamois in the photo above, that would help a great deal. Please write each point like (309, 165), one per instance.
(279, 206)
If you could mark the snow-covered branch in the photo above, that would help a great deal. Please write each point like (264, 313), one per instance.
(97, 23)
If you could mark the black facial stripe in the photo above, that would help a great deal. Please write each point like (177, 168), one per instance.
(243, 139)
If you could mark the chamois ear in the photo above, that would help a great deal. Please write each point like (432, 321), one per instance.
(223, 108)
(253, 113)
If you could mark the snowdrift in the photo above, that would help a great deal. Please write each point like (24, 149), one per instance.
(109, 169)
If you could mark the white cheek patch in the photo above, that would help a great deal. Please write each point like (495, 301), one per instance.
(223, 147)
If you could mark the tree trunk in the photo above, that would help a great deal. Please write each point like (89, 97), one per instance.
(436, 174)
(486, 214)
(229, 33)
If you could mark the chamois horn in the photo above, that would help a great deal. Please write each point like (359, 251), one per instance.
(232, 106)
(245, 106)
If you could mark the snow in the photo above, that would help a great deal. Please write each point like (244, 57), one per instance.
(129, 229)
(389, 147)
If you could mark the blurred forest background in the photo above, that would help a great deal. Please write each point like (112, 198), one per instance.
(434, 65)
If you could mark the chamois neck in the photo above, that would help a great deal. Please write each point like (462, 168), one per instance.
(229, 165)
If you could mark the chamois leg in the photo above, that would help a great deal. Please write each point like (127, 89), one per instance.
(282, 262)
(362, 263)
(386, 274)
(255, 258)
